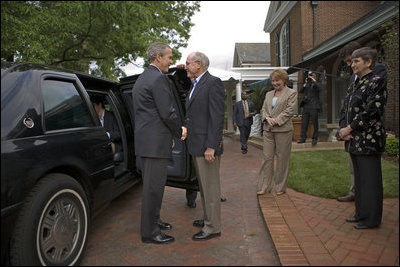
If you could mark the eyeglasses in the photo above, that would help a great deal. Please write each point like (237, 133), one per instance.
(188, 63)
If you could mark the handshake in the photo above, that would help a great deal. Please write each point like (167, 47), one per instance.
(184, 133)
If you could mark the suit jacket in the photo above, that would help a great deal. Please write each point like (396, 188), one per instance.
(310, 96)
(379, 70)
(156, 120)
(238, 113)
(363, 108)
(111, 126)
(282, 112)
(205, 116)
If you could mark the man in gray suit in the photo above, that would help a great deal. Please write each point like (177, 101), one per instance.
(243, 113)
(156, 121)
(205, 105)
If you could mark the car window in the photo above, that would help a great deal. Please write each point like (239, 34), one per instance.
(63, 106)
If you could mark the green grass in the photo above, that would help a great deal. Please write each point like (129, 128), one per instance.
(326, 174)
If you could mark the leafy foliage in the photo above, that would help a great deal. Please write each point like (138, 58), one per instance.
(257, 96)
(392, 146)
(76, 34)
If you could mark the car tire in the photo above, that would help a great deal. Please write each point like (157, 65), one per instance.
(52, 225)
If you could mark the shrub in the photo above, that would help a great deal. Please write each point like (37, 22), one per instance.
(392, 146)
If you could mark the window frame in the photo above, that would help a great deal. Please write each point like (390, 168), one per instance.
(82, 94)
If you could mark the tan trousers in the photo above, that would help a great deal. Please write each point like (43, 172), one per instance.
(210, 192)
(279, 144)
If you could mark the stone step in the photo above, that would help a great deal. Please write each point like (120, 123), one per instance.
(257, 141)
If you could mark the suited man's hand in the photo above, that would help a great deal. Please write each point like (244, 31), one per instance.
(184, 133)
(209, 155)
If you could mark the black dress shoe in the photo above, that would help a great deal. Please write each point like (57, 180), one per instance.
(223, 199)
(164, 226)
(159, 239)
(352, 219)
(198, 223)
(301, 141)
(191, 204)
(204, 236)
(348, 198)
(314, 142)
(244, 151)
(362, 226)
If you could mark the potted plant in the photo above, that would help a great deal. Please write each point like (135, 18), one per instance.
(296, 120)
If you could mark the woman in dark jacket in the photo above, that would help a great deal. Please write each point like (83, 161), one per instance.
(362, 129)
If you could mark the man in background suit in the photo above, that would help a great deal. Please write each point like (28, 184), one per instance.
(156, 121)
(205, 105)
(243, 113)
(311, 106)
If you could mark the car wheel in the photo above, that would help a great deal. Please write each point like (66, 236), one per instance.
(52, 225)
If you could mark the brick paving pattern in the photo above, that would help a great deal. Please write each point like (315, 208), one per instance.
(291, 229)
(115, 235)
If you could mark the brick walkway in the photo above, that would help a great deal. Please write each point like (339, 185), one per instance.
(114, 239)
(309, 230)
(291, 229)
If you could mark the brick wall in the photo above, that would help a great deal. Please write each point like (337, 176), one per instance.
(331, 18)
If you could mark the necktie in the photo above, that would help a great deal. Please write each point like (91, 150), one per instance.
(194, 86)
(246, 109)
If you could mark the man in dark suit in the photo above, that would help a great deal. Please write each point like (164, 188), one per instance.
(378, 69)
(243, 113)
(108, 121)
(205, 105)
(311, 106)
(156, 121)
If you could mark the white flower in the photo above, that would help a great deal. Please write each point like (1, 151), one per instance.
(377, 104)
(356, 109)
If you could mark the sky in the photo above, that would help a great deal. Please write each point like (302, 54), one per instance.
(221, 24)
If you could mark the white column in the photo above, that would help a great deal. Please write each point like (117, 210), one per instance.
(239, 91)
(238, 97)
(229, 109)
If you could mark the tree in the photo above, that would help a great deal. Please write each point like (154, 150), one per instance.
(77, 34)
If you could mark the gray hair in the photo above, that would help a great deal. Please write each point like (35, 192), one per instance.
(154, 49)
(199, 56)
(366, 53)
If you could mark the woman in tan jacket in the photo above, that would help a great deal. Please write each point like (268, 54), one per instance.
(278, 108)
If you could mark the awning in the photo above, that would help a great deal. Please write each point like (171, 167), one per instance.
(361, 27)
(257, 84)
(306, 63)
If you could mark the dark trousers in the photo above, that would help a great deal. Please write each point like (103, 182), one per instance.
(191, 195)
(154, 175)
(369, 189)
(305, 118)
(244, 135)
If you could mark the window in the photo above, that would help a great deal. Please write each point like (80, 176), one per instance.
(63, 106)
(284, 45)
(277, 49)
